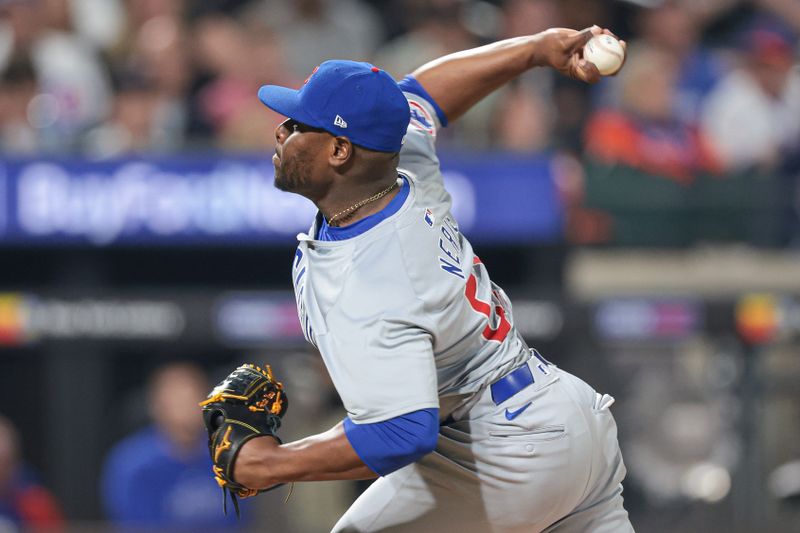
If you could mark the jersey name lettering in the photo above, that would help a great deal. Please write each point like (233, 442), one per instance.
(451, 247)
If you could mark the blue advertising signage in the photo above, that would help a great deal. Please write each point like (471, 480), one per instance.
(218, 199)
(648, 318)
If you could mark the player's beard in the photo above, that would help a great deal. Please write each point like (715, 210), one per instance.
(293, 174)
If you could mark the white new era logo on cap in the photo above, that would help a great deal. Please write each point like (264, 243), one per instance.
(339, 121)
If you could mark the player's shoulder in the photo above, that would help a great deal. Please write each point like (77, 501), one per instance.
(431, 236)
(425, 120)
(425, 113)
(423, 125)
(401, 250)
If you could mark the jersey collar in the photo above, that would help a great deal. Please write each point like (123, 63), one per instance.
(331, 233)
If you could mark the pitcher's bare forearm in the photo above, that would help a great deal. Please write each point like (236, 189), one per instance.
(458, 81)
(263, 462)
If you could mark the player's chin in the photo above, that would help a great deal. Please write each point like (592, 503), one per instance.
(280, 180)
(281, 183)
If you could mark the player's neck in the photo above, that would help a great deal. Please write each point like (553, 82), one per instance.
(355, 200)
(359, 194)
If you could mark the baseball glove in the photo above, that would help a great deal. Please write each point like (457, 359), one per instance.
(248, 403)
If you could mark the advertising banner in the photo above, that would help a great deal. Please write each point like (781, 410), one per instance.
(218, 199)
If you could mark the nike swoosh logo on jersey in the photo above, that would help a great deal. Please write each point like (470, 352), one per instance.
(511, 415)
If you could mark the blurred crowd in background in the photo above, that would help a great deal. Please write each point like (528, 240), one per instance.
(698, 138)
(104, 77)
(155, 476)
(710, 88)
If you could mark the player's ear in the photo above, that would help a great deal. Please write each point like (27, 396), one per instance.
(341, 152)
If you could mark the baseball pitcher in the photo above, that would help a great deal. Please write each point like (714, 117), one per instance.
(465, 426)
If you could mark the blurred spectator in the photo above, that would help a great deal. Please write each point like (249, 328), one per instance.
(160, 478)
(135, 15)
(73, 84)
(315, 30)
(751, 118)
(436, 29)
(522, 118)
(527, 17)
(557, 104)
(141, 11)
(583, 13)
(239, 58)
(315, 406)
(130, 127)
(150, 108)
(100, 22)
(786, 10)
(161, 54)
(522, 121)
(18, 88)
(643, 132)
(676, 26)
(24, 504)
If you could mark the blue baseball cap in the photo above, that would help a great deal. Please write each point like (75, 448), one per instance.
(348, 98)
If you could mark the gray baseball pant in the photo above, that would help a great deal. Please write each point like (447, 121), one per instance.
(555, 467)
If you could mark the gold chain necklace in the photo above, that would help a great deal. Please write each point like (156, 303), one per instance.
(350, 210)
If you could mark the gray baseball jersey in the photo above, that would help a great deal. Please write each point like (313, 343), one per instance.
(406, 318)
(405, 313)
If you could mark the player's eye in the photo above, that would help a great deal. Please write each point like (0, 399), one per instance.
(292, 125)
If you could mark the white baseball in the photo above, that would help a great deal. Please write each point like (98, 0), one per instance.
(605, 52)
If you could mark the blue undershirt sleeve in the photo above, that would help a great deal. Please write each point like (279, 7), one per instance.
(392, 444)
(410, 84)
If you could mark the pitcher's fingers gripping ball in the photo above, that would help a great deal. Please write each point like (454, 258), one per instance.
(248, 403)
